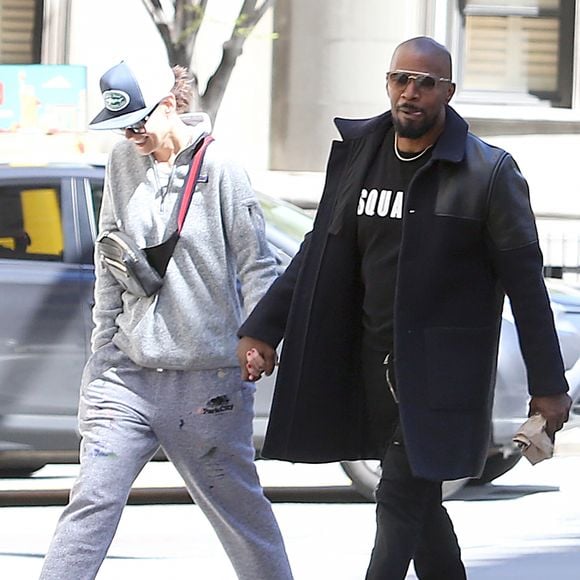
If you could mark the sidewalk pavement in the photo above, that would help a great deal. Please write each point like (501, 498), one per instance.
(568, 440)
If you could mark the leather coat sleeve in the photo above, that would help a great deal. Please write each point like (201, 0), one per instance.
(267, 321)
(511, 223)
(518, 261)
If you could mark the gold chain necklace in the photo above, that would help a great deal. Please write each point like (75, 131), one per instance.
(401, 158)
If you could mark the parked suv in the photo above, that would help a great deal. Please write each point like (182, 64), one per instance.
(48, 220)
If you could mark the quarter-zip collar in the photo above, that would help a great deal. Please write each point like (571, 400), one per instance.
(199, 125)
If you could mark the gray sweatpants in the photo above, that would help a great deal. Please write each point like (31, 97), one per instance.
(203, 421)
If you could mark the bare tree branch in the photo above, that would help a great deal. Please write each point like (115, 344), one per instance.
(247, 20)
(162, 23)
(261, 10)
(188, 18)
(154, 8)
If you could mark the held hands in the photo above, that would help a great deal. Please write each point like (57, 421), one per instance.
(554, 408)
(255, 357)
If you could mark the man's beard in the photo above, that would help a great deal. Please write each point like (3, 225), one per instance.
(412, 130)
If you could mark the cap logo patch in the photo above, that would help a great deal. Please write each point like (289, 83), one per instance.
(116, 100)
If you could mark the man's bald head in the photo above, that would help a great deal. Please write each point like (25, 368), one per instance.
(428, 47)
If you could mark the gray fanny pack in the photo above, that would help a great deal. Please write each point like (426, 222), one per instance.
(141, 271)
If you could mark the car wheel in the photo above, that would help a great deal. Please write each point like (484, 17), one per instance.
(19, 472)
(495, 466)
(365, 475)
(18, 463)
(21, 469)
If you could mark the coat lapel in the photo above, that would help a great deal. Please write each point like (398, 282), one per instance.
(362, 151)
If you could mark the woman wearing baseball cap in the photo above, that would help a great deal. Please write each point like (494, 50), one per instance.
(163, 371)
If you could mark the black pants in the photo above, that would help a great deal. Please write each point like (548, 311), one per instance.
(412, 523)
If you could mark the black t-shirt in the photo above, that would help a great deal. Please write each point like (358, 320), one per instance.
(381, 203)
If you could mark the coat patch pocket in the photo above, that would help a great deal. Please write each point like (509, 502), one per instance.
(459, 367)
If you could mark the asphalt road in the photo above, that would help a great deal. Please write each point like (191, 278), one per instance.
(525, 525)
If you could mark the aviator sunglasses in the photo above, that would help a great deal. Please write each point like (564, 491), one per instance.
(423, 81)
(137, 128)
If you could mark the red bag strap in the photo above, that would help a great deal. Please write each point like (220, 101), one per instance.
(192, 178)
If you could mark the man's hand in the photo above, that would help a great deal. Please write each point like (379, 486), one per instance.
(554, 408)
(255, 357)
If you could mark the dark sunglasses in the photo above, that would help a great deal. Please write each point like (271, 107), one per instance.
(423, 81)
(137, 128)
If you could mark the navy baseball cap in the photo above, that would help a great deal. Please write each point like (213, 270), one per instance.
(131, 92)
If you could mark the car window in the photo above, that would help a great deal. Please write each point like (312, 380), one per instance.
(31, 222)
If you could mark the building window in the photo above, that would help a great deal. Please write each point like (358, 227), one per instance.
(20, 31)
(520, 47)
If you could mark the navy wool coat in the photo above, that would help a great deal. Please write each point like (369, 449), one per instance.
(469, 237)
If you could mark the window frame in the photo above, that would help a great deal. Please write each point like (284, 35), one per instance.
(563, 95)
(86, 220)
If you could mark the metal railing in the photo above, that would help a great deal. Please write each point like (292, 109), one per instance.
(560, 243)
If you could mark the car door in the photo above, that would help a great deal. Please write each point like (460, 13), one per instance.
(88, 195)
(42, 335)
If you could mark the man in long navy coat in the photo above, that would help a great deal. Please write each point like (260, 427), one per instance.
(391, 312)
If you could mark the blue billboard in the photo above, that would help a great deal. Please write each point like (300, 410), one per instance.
(42, 98)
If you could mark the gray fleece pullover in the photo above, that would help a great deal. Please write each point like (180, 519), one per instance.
(221, 266)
